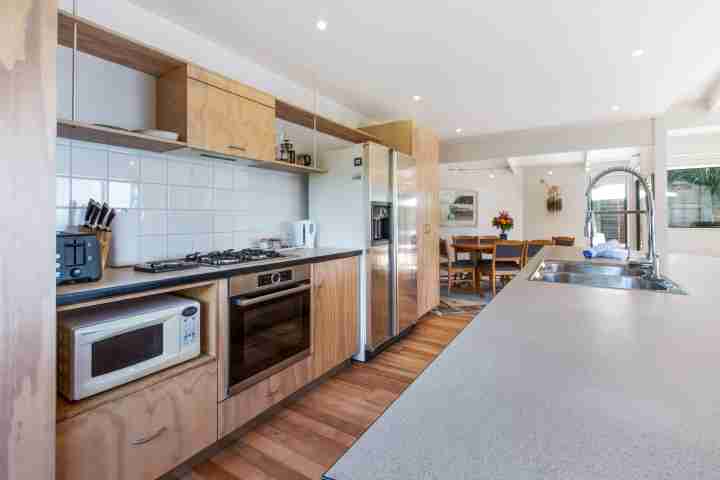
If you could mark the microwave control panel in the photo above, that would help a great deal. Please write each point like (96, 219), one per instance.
(189, 330)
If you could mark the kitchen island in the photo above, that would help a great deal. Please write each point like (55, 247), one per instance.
(557, 381)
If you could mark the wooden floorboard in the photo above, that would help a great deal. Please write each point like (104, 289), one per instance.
(304, 439)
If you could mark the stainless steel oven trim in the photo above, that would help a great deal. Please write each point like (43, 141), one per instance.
(269, 372)
(243, 284)
(271, 296)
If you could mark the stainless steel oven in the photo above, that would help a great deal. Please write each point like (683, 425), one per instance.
(269, 325)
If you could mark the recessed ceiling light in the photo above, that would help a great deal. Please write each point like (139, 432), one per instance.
(458, 130)
(321, 25)
(638, 53)
(615, 108)
(549, 172)
(492, 175)
(417, 98)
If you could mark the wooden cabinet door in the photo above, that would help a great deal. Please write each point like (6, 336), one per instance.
(334, 313)
(144, 435)
(427, 154)
(253, 130)
(209, 117)
(220, 121)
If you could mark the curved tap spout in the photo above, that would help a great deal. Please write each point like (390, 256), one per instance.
(653, 258)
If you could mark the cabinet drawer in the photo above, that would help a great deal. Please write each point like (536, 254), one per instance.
(239, 409)
(144, 435)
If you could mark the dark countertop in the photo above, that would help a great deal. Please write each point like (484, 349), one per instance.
(123, 281)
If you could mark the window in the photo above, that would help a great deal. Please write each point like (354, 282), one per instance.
(694, 197)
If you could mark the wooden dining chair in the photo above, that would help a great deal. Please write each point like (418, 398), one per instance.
(488, 238)
(459, 267)
(507, 261)
(533, 248)
(465, 238)
(564, 241)
(444, 258)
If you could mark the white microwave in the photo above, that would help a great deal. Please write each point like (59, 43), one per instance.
(105, 346)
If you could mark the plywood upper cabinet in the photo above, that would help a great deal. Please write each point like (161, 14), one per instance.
(422, 144)
(335, 313)
(217, 114)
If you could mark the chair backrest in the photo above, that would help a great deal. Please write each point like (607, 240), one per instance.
(534, 247)
(509, 250)
(451, 254)
(564, 241)
(444, 248)
(465, 238)
(488, 239)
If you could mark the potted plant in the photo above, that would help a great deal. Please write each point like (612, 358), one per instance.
(504, 222)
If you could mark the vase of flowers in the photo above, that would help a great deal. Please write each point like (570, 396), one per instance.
(503, 222)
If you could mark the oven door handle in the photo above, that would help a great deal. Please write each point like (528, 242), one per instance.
(270, 296)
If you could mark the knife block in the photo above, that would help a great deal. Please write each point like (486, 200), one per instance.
(103, 238)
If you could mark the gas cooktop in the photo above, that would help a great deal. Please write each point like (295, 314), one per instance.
(213, 259)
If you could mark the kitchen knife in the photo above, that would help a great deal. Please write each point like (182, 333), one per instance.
(95, 215)
(90, 212)
(104, 209)
(109, 219)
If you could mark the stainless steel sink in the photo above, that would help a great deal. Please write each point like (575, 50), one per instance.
(620, 276)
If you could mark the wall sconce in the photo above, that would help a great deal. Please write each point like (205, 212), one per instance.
(553, 198)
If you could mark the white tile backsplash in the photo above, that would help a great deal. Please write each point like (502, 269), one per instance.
(124, 195)
(124, 167)
(153, 196)
(153, 169)
(183, 204)
(153, 222)
(82, 189)
(189, 198)
(62, 160)
(89, 163)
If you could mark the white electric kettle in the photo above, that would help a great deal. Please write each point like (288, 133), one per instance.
(302, 234)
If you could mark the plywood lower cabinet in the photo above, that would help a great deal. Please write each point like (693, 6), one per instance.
(144, 435)
(335, 313)
(239, 409)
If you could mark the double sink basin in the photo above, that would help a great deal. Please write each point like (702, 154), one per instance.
(618, 276)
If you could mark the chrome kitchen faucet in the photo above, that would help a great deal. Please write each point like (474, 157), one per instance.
(653, 260)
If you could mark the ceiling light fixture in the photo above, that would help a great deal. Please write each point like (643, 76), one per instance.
(492, 175)
(638, 53)
(616, 108)
(321, 25)
(458, 130)
(549, 172)
(417, 98)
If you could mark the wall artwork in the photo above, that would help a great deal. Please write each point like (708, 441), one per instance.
(458, 208)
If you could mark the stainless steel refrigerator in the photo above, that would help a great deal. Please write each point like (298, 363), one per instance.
(368, 201)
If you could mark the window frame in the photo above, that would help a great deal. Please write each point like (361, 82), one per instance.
(716, 225)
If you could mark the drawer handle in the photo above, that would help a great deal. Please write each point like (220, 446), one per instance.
(235, 147)
(143, 441)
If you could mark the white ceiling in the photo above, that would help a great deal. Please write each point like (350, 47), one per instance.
(481, 66)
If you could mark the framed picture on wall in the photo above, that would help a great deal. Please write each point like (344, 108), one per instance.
(458, 208)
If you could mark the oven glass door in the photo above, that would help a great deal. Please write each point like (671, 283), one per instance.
(267, 332)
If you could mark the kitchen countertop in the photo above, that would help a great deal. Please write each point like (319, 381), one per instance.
(122, 281)
(554, 381)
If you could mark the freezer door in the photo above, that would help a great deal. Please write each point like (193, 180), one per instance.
(379, 298)
(405, 240)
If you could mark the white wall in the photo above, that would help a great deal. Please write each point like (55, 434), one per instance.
(539, 223)
(504, 192)
(539, 141)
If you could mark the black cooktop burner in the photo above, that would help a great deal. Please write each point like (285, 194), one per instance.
(233, 257)
(214, 259)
